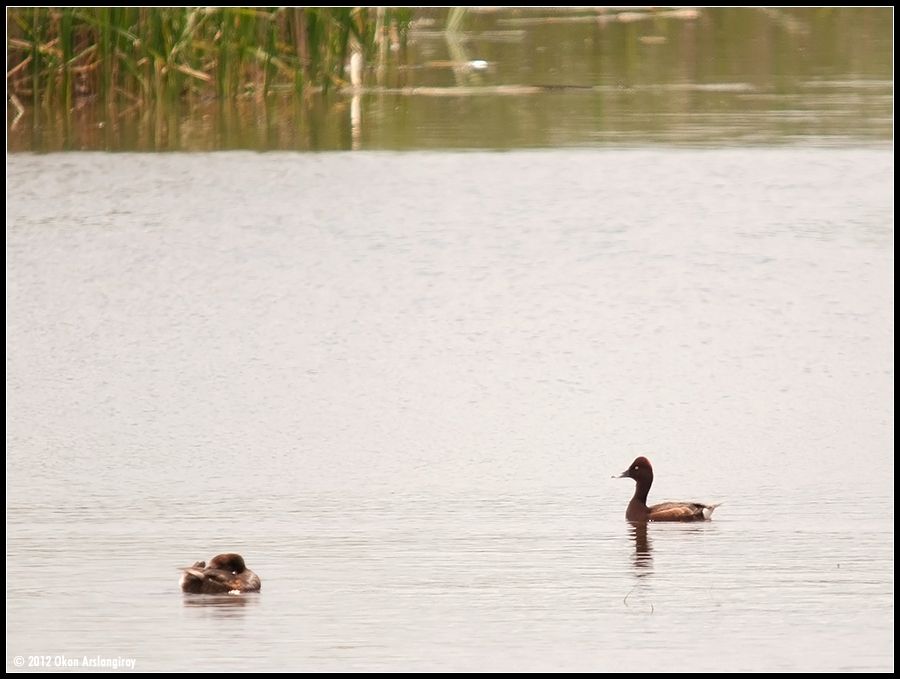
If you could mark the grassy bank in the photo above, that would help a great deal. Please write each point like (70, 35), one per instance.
(133, 56)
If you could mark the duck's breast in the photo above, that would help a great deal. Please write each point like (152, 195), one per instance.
(251, 583)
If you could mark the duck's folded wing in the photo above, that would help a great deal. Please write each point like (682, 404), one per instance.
(676, 511)
(219, 576)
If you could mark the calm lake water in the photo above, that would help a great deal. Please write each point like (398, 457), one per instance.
(547, 77)
(399, 384)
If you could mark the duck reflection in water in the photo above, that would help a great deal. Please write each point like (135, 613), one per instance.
(220, 604)
(220, 601)
(643, 556)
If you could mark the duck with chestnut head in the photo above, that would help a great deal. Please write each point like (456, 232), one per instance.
(225, 574)
(642, 473)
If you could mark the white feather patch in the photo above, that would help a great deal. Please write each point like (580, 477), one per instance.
(707, 511)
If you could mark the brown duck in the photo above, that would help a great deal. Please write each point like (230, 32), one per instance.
(641, 471)
(225, 574)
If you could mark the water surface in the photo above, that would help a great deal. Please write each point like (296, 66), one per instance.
(551, 77)
(399, 384)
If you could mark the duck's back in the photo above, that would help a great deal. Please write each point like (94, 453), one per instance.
(217, 581)
(681, 511)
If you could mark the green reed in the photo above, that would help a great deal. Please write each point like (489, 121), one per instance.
(131, 56)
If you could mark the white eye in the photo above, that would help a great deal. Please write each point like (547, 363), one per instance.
(634, 467)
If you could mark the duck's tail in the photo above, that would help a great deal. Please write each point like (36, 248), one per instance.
(708, 510)
(192, 577)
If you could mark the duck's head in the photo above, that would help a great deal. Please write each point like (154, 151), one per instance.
(640, 470)
(229, 562)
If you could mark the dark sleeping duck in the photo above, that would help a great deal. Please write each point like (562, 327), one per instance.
(641, 471)
(226, 574)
